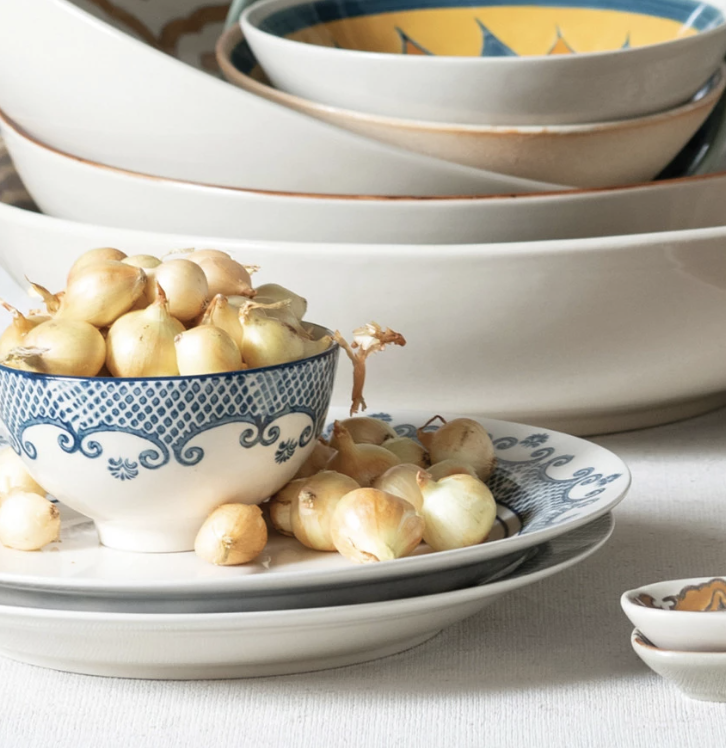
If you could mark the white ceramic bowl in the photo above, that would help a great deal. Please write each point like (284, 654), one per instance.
(594, 155)
(148, 459)
(94, 193)
(584, 335)
(688, 615)
(327, 58)
(698, 675)
(100, 94)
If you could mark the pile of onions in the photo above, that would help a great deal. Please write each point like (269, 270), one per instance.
(371, 494)
(141, 316)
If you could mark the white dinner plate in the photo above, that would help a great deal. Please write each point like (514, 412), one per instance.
(546, 484)
(237, 645)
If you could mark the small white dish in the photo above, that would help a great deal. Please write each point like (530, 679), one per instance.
(240, 645)
(613, 153)
(405, 59)
(698, 675)
(688, 615)
(547, 484)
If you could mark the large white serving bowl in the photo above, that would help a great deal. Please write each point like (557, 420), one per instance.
(69, 187)
(604, 154)
(101, 94)
(363, 69)
(585, 336)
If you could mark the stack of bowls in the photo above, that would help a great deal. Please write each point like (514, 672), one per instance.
(403, 156)
(681, 633)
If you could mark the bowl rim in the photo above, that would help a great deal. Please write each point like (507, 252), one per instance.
(627, 599)
(709, 94)
(257, 12)
(23, 134)
(332, 350)
(640, 642)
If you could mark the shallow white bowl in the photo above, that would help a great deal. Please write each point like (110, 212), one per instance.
(534, 90)
(101, 94)
(278, 642)
(688, 615)
(698, 675)
(94, 193)
(577, 335)
(594, 155)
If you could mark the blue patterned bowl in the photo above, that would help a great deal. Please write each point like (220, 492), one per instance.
(147, 459)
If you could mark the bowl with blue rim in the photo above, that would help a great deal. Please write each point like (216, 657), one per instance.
(148, 458)
(491, 62)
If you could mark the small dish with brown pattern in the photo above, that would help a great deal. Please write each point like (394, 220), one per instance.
(681, 614)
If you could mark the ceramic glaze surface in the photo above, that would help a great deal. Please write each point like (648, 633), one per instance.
(139, 454)
(498, 63)
(698, 675)
(612, 154)
(496, 29)
(687, 615)
(234, 645)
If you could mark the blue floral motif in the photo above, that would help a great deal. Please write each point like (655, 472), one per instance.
(535, 440)
(123, 469)
(285, 450)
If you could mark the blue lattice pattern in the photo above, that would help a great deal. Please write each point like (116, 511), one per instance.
(169, 412)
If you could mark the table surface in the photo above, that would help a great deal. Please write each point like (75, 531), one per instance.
(550, 665)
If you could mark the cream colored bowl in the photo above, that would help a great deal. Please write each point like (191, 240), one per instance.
(79, 83)
(592, 155)
(582, 335)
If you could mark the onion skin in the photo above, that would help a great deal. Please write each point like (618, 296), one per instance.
(312, 511)
(28, 521)
(461, 439)
(233, 534)
(370, 525)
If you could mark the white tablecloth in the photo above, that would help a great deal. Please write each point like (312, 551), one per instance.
(550, 665)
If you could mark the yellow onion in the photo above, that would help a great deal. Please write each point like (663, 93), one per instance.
(28, 521)
(233, 534)
(99, 293)
(141, 343)
(185, 286)
(267, 341)
(147, 262)
(407, 450)
(271, 293)
(224, 275)
(280, 506)
(62, 347)
(459, 511)
(461, 439)
(316, 501)
(206, 350)
(224, 316)
(401, 480)
(370, 525)
(366, 430)
(362, 462)
(450, 467)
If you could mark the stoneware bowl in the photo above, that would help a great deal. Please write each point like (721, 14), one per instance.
(148, 459)
(163, 117)
(683, 614)
(698, 675)
(500, 63)
(533, 331)
(98, 194)
(593, 155)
